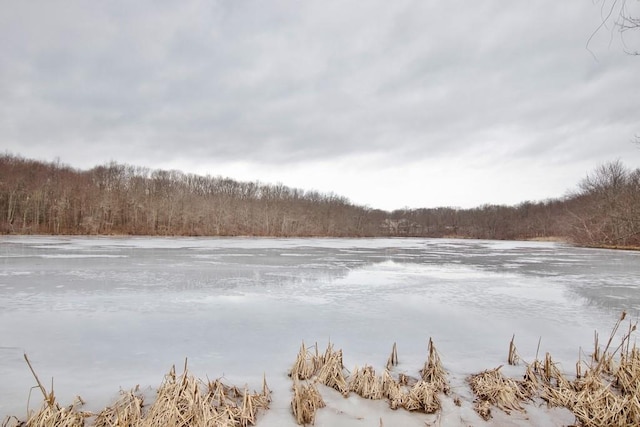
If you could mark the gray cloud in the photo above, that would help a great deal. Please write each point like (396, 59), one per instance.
(280, 83)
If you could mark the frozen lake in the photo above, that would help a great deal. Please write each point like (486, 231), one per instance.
(100, 314)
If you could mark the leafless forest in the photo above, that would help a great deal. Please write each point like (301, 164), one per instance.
(52, 198)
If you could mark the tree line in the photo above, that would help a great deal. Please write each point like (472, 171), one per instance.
(52, 198)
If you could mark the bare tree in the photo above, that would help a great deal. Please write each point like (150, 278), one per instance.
(607, 208)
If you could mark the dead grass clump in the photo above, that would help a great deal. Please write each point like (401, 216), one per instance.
(180, 402)
(596, 403)
(329, 355)
(365, 383)
(600, 399)
(553, 373)
(240, 408)
(423, 397)
(306, 364)
(56, 416)
(411, 394)
(126, 411)
(326, 369)
(306, 401)
(546, 380)
(531, 383)
(331, 373)
(392, 390)
(264, 399)
(187, 401)
(433, 372)
(627, 375)
(563, 395)
(605, 392)
(608, 393)
(496, 389)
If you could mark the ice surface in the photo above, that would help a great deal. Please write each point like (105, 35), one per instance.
(98, 314)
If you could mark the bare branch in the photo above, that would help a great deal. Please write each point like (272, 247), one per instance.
(615, 14)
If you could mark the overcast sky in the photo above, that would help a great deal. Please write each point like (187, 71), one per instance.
(390, 103)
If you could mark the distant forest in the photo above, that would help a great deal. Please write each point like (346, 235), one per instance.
(116, 199)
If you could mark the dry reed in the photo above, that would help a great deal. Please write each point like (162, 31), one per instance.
(393, 357)
(365, 383)
(331, 373)
(181, 401)
(423, 397)
(54, 415)
(595, 356)
(326, 369)
(392, 390)
(605, 391)
(406, 392)
(305, 402)
(492, 387)
(595, 403)
(126, 411)
(627, 376)
(608, 393)
(531, 384)
(433, 373)
(306, 364)
(186, 401)
(513, 357)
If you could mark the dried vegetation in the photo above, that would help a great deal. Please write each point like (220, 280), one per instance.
(182, 401)
(305, 402)
(327, 369)
(493, 388)
(604, 391)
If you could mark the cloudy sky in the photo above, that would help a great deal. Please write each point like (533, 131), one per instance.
(390, 103)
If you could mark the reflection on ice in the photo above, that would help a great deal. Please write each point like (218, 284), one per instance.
(101, 313)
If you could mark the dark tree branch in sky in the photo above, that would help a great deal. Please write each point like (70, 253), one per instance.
(621, 16)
